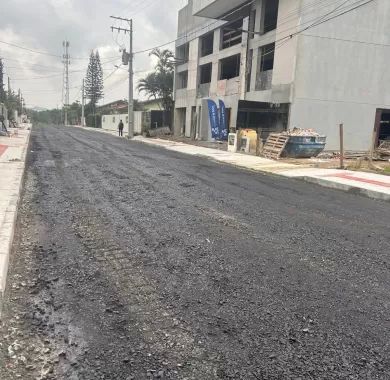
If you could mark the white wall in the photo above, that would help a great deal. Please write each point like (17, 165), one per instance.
(110, 122)
(342, 74)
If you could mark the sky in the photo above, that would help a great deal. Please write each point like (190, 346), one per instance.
(43, 25)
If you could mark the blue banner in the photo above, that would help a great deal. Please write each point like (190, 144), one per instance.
(223, 127)
(214, 118)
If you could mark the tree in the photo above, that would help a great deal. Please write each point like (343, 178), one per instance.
(159, 84)
(12, 103)
(74, 113)
(53, 116)
(149, 85)
(3, 95)
(94, 81)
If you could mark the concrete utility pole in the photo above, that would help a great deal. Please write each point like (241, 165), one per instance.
(83, 105)
(128, 59)
(66, 62)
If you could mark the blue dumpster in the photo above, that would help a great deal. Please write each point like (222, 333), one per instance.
(304, 146)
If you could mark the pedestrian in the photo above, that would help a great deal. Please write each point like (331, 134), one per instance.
(120, 128)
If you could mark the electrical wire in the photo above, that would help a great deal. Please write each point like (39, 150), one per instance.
(320, 21)
(42, 52)
(194, 32)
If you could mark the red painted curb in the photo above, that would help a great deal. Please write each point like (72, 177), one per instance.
(359, 179)
(3, 148)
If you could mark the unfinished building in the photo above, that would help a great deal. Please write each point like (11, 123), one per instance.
(274, 73)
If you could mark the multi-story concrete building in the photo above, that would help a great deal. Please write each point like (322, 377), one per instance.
(281, 64)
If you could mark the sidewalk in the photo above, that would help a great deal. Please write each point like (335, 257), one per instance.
(13, 151)
(371, 185)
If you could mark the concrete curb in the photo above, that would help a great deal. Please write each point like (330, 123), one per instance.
(8, 226)
(348, 188)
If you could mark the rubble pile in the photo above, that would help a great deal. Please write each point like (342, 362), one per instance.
(301, 132)
(384, 149)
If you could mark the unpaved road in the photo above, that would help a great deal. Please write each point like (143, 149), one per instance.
(132, 262)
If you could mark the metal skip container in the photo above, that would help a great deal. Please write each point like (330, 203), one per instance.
(304, 146)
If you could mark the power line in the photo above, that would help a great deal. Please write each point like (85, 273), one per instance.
(207, 26)
(194, 32)
(320, 21)
(34, 78)
(147, 5)
(42, 52)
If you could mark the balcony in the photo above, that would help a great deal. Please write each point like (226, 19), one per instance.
(215, 8)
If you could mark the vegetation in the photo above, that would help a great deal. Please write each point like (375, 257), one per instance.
(3, 95)
(93, 87)
(56, 116)
(53, 116)
(11, 100)
(159, 84)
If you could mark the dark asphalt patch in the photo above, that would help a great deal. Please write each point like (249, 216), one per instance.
(186, 269)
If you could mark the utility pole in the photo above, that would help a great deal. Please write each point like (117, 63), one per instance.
(127, 58)
(83, 105)
(341, 146)
(66, 62)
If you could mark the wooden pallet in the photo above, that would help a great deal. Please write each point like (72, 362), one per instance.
(275, 145)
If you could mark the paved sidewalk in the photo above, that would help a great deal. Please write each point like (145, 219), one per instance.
(372, 185)
(13, 151)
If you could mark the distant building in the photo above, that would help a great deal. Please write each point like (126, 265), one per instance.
(151, 105)
(115, 107)
(274, 69)
(121, 106)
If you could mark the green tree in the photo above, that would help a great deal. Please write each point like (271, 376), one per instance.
(94, 81)
(159, 84)
(12, 103)
(3, 95)
(53, 116)
(149, 85)
(74, 113)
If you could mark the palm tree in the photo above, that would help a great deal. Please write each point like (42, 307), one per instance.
(165, 60)
(149, 86)
(160, 83)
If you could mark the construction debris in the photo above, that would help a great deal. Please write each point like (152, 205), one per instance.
(275, 145)
(159, 132)
(384, 148)
(294, 143)
(301, 132)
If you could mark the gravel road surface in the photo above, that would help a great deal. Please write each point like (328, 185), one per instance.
(132, 262)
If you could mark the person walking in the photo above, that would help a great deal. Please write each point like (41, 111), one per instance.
(120, 128)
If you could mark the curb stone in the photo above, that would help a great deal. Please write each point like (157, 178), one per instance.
(8, 226)
(348, 188)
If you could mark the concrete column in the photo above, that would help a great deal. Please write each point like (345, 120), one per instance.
(244, 63)
(215, 73)
(255, 62)
(259, 16)
(233, 115)
(188, 121)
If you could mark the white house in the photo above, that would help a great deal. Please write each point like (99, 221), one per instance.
(110, 122)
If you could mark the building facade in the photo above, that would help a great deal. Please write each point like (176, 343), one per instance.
(279, 64)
